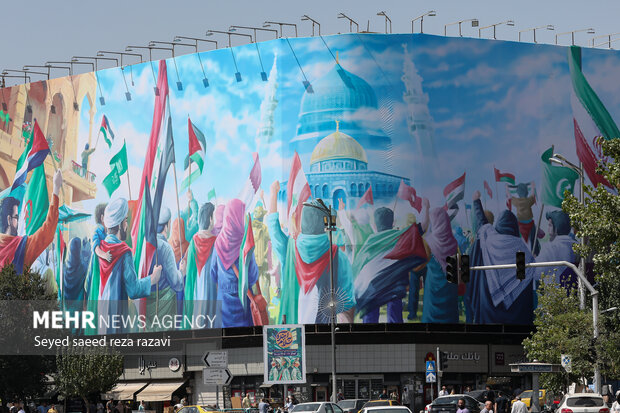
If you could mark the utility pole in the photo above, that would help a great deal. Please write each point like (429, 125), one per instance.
(439, 371)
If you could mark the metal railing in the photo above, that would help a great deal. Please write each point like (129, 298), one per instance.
(78, 170)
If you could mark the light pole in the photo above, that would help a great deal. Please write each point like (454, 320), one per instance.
(235, 27)
(507, 23)
(329, 220)
(195, 39)
(387, 19)
(548, 27)
(474, 23)
(305, 17)
(421, 18)
(101, 53)
(608, 36)
(562, 161)
(268, 24)
(572, 33)
(230, 34)
(173, 43)
(351, 22)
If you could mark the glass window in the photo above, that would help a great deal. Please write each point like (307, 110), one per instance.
(584, 401)
(336, 408)
(328, 408)
(354, 190)
(307, 407)
(325, 192)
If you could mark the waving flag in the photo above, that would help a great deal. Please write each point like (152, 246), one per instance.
(118, 166)
(33, 156)
(504, 177)
(166, 159)
(247, 248)
(35, 205)
(408, 193)
(556, 180)
(252, 184)
(488, 189)
(591, 120)
(366, 198)
(297, 189)
(455, 192)
(195, 160)
(106, 130)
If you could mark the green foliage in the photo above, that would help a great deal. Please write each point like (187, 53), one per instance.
(81, 371)
(27, 286)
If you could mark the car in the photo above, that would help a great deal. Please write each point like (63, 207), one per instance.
(352, 405)
(448, 403)
(386, 409)
(317, 407)
(582, 403)
(526, 397)
(197, 409)
(379, 403)
(481, 394)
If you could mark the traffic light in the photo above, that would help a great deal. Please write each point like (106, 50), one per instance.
(464, 268)
(443, 360)
(452, 269)
(520, 265)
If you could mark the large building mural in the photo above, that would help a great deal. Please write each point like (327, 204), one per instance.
(190, 186)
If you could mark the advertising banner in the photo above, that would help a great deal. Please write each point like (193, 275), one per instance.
(284, 354)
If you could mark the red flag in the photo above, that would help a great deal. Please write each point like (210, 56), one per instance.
(408, 193)
(587, 157)
(296, 185)
(488, 188)
(366, 198)
(504, 177)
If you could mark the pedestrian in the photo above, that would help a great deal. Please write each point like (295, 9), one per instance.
(141, 408)
(519, 406)
(52, 409)
(109, 406)
(289, 404)
(245, 403)
(263, 406)
(384, 395)
(461, 408)
(615, 407)
(100, 407)
(21, 408)
(339, 396)
(489, 396)
(488, 407)
(501, 403)
(443, 391)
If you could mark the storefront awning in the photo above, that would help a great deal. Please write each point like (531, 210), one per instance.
(123, 391)
(159, 392)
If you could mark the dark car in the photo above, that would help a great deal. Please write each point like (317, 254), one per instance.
(352, 405)
(447, 404)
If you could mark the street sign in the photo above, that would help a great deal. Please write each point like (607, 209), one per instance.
(535, 368)
(217, 376)
(217, 359)
(431, 377)
(566, 362)
(430, 366)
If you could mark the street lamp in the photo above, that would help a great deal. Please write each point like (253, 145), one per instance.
(205, 80)
(101, 53)
(548, 27)
(474, 23)
(387, 19)
(507, 23)
(329, 220)
(421, 18)
(305, 17)
(351, 22)
(608, 39)
(268, 24)
(230, 34)
(562, 161)
(572, 33)
(235, 27)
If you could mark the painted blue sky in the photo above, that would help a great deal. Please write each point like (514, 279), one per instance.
(493, 103)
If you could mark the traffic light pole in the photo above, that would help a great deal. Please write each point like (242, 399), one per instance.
(586, 283)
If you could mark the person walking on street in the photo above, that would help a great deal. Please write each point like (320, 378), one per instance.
(519, 406)
(384, 395)
(501, 403)
(263, 406)
(443, 391)
(289, 404)
(488, 407)
(141, 408)
(615, 407)
(461, 407)
(489, 396)
(52, 409)
(245, 403)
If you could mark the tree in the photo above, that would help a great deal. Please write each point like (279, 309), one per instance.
(81, 371)
(21, 376)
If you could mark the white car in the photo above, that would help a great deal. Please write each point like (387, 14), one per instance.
(386, 409)
(582, 403)
(317, 407)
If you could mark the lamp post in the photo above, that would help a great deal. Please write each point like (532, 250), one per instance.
(507, 23)
(387, 19)
(421, 18)
(305, 17)
(268, 24)
(572, 33)
(235, 27)
(351, 22)
(608, 36)
(562, 161)
(548, 27)
(101, 53)
(230, 34)
(329, 220)
(474, 23)
(95, 58)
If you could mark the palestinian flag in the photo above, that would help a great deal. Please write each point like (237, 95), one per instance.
(195, 160)
(366, 198)
(245, 252)
(379, 266)
(106, 130)
(35, 153)
(504, 177)
(591, 120)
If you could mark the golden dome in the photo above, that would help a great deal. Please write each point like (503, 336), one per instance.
(338, 145)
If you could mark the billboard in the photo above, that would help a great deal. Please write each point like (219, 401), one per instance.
(184, 180)
(284, 354)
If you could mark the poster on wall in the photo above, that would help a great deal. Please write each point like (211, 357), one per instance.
(284, 354)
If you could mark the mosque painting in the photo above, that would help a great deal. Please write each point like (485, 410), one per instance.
(423, 146)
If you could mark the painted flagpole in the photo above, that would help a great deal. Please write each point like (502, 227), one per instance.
(98, 135)
(128, 183)
(496, 193)
(542, 207)
(189, 174)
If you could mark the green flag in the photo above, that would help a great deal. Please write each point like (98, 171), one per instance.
(211, 194)
(112, 181)
(556, 180)
(120, 160)
(35, 203)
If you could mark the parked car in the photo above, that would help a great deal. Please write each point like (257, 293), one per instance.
(197, 409)
(317, 407)
(379, 403)
(526, 397)
(480, 394)
(352, 405)
(386, 409)
(448, 404)
(582, 403)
